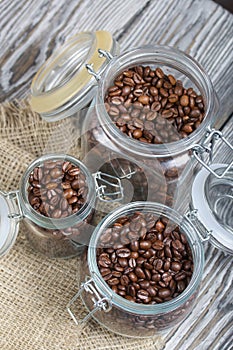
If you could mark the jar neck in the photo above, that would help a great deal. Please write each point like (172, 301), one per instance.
(173, 59)
(176, 218)
(61, 223)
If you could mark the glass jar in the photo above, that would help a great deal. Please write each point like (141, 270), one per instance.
(121, 315)
(80, 72)
(62, 237)
(209, 219)
(144, 163)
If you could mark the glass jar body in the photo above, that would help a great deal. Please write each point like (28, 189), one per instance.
(56, 243)
(129, 318)
(63, 237)
(167, 161)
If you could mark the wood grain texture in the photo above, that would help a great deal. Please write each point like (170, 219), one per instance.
(31, 30)
(210, 325)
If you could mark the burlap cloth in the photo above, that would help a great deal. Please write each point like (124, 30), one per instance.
(34, 291)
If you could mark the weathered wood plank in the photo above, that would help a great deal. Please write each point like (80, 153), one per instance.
(34, 29)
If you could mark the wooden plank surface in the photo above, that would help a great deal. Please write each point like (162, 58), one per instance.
(31, 29)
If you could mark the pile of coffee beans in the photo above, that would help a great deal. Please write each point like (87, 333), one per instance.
(57, 189)
(153, 107)
(145, 259)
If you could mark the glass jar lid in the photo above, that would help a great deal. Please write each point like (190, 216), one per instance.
(63, 84)
(8, 223)
(212, 197)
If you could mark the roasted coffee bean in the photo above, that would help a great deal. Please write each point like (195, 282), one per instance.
(164, 293)
(123, 262)
(158, 245)
(142, 294)
(140, 273)
(134, 246)
(145, 245)
(176, 266)
(153, 268)
(171, 79)
(137, 133)
(180, 286)
(123, 252)
(133, 277)
(177, 245)
(57, 189)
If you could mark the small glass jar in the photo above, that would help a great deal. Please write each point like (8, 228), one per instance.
(209, 219)
(63, 237)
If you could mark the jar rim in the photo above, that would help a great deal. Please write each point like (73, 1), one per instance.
(59, 223)
(194, 242)
(170, 57)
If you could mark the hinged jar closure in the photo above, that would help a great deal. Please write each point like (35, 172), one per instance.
(9, 220)
(63, 85)
(212, 206)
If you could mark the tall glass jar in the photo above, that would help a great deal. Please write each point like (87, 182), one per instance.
(62, 237)
(80, 73)
(145, 163)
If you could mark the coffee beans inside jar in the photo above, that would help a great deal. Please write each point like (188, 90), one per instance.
(152, 107)
(145, 259)
(61, 191)
(57, 189)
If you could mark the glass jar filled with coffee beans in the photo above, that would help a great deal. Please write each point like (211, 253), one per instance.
(144, 264)
(150, 107)
(56, 201)
(142, 270)
(154, 105)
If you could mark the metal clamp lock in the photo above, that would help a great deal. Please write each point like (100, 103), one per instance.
(203, 233)
(120, 171)
(91, 71)
(89, 67)
(100, 303)
(13, 196)
(207, 146)
(108, 187)
(106, 54)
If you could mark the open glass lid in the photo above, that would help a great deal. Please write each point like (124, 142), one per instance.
(212, 198)
(64, 85)
(8, 222)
